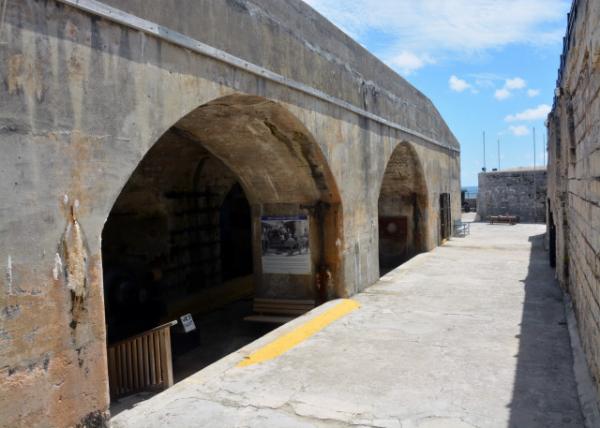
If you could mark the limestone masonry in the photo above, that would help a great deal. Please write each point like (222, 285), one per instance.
(518, 192)
(574, 175)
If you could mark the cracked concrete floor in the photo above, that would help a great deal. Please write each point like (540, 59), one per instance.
(472, 334)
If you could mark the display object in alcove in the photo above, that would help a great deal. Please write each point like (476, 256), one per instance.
(285, 245)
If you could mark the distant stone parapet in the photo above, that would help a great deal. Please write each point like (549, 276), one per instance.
(519, 192)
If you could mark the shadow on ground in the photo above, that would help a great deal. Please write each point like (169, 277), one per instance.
(544, 388)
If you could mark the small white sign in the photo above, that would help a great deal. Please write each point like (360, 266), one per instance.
(188, 323)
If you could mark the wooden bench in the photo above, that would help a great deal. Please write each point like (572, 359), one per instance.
(141, 363)
(278, 311)
(510, 219)
(461, 229)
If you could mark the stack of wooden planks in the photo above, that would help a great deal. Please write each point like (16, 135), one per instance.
(141, 363)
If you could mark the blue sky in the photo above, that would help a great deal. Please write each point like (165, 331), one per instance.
(488, 65)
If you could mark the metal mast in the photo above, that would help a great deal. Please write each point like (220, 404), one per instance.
(484, 165)
(534, 147)
(498, 154)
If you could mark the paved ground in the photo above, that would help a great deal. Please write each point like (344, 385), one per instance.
(205, 345)
(472, 334)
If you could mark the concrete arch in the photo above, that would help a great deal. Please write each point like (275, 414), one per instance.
(274, 155)
(278, 163)
(403, 208)
(216, 123)
(89, 95)
(167, 222)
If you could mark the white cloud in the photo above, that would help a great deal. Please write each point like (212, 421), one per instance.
(538, 113)
(515, 83)
(486, 80)
(533, 93)
(502, 94)
(519, 131)
(448, 28)
(407, 62)
(458, 85)
(509, 85)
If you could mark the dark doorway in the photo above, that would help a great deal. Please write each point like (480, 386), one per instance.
(236, 234)
(402, 209)
(445, 216)
(552, 241)
(178, 241)
(393, 240)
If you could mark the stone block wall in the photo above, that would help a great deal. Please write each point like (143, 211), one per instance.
(520, 192)
(574, 174)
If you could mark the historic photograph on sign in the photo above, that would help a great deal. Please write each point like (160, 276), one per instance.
(285, 245)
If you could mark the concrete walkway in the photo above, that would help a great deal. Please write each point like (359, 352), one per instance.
(472, 334)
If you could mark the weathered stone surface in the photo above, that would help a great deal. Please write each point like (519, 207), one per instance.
(574, 176)
(519, 192)
(83, 101)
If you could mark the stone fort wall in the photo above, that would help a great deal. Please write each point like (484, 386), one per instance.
(515, 192)
(85, 99)
(574, 174)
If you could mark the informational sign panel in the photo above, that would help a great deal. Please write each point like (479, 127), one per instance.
(188, 323)
(285, 246)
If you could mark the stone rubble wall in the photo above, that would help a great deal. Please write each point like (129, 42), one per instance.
(519, 193)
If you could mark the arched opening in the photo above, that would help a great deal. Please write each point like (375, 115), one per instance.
(186, 234)
(402, 209)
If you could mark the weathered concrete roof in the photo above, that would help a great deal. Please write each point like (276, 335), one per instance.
(292, 39)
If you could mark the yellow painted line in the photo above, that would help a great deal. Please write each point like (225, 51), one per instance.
(286, 342)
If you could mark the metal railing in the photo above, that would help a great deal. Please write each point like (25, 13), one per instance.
(571, 17)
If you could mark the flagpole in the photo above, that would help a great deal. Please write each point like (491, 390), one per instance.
(484, 165)
(498, 154)
(534, 147)
(545, 147)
